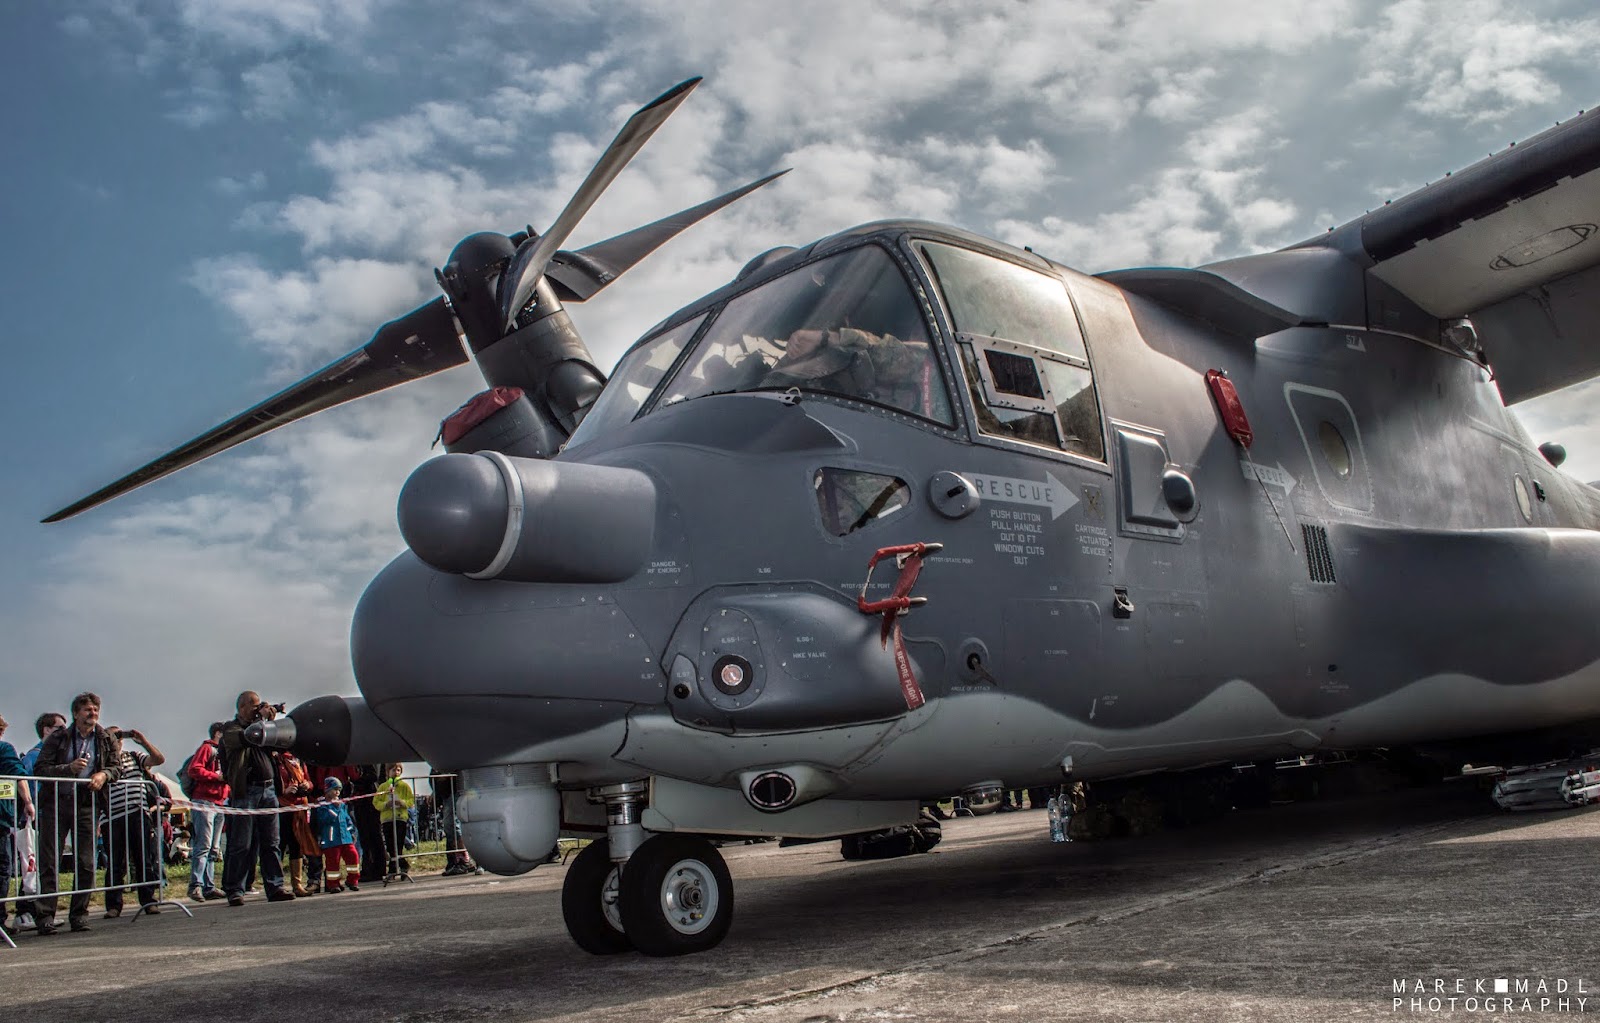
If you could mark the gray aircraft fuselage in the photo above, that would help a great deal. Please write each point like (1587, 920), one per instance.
(1427, 576)
(907, 512)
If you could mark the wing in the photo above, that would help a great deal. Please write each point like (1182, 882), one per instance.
(1513, 243)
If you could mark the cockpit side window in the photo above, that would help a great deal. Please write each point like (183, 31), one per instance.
(848, 325)
(995, 298)
(1021, 349)
(633, 381)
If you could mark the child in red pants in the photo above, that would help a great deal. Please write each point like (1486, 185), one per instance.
(336, 834)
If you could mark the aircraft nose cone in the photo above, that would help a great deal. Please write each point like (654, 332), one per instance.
(453, 512)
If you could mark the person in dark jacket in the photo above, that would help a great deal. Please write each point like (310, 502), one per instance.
(369, 828)
(86, 751)
(252, 785)
(455, 857)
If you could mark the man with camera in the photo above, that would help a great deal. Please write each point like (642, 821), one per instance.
(92, 758)
(250, 775)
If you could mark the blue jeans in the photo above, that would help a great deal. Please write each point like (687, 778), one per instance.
(250, 837)
(206, 827)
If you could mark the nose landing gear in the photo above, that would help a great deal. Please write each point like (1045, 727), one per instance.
(671, 896)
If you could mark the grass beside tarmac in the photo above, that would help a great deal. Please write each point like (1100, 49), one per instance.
(424, 858)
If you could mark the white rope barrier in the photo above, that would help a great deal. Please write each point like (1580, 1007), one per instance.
(264, 811)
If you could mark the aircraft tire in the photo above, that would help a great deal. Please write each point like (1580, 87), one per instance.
(677, 896)
(593, 925)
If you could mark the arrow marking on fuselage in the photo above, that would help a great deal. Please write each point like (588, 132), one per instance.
(1272, 477)
(1052, 493)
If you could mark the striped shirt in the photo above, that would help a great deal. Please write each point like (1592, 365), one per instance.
(135, 791)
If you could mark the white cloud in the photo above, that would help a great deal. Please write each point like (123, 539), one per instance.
(196, 48)
(846, 182)
(1179, 95)
(270, 26)
(1472, 60)
(309, 315)
(1006, 177)
(1568, 418)
(203, 101)
(255, 181)
(1209, 201)
(270, 89)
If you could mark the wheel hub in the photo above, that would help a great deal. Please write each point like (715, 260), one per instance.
(689, 896)
(610, 894)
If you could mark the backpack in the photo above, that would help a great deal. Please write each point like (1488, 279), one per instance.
(186, 780)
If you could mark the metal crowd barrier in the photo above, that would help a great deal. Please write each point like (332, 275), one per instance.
(428, 835)
(80, 843)
(431, 839)
(122, 825)
(426, 838)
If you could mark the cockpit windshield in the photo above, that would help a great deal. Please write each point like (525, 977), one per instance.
(633, 381)
(847, 325)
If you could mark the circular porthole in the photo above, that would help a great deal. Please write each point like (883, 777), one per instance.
(1335, 450)
(1524, 502)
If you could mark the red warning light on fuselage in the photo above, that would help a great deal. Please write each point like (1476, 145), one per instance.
(1229, 407)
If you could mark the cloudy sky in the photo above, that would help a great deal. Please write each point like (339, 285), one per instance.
(205, 199)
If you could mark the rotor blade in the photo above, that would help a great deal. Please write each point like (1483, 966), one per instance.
(581, 274)
(520, 278)
(418, 344)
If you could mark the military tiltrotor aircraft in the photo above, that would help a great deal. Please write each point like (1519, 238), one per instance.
(906, 513)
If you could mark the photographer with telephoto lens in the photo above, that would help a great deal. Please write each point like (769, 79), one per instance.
(251, 786)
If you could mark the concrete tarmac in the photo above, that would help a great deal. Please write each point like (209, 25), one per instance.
(1313, 911)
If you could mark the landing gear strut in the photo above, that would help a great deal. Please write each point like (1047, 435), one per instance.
(664, 895)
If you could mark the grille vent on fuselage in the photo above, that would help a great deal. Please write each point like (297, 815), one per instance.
(1319, 558)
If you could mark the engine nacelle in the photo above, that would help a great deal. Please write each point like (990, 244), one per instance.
(332, 730)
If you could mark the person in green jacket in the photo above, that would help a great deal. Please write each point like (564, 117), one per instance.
(394, 801)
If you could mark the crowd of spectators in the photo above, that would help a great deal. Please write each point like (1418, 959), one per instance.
(87, 797)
